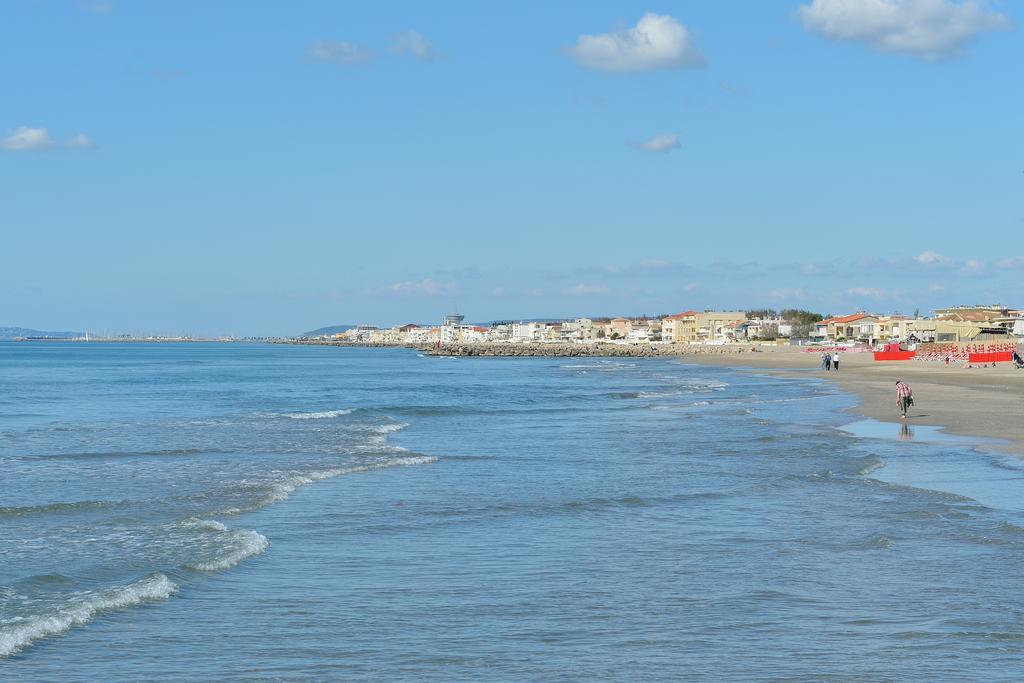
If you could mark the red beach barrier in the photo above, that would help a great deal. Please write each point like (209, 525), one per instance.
(894, 355)
(994, 357)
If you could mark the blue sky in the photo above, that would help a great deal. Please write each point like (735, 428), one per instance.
(274, 167)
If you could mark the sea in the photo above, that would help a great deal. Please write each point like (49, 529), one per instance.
(259, 512)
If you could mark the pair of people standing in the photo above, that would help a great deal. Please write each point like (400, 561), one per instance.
(830, 361)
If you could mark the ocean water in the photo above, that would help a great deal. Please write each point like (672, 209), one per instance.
(280, 513)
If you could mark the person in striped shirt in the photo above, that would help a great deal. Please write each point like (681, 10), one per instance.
(904, 396)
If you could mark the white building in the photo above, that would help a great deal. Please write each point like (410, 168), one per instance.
(580, 330)
(529, 331)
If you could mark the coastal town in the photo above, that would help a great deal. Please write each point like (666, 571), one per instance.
(959, 325)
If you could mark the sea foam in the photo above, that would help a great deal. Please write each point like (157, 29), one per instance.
(81, 608)
(244, 544)
(320, 415)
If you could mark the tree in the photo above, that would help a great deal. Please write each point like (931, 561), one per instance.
(799, 316)
(762, 313)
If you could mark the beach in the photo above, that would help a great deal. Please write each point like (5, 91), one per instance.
(980, 401)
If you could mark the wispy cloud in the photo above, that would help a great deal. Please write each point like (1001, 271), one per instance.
(339, 52)
(587, 290)
(425, 287)
(931, 258)
(654, 264)
(414, 44)
(786, 293)
(870, 292)
(931, 30)
(659, 143)
(80, 141)
(27, 139)
(657, 41)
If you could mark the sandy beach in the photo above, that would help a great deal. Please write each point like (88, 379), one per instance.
(980, 401)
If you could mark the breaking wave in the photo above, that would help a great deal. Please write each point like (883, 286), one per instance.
(241, 544)
(281, 489)
(80, 608)
(319, 415)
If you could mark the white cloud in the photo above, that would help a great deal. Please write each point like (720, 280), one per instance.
(653, 264)
(936, 287)
(659, 143)
(658, 41)
(425, 287)
(415, 44)
(788, 293)
(25, 139)
(931, 258)
(931, 30)
(80, 141)
(867, 292)
(691, 286)
(1013, 262)
(973, 267)
(586, 290)
(339, 52)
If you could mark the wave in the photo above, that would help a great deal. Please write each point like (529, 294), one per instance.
(160, 453)
(597, 504)
(319, 415)
(80, 609)
(242, 544)
(57, 507)
(283, 489)
(389, 428)
(869, 464)
(280, 490)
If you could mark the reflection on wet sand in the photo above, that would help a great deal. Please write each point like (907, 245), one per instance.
(906, 433)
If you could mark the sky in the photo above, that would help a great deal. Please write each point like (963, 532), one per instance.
(270, 168)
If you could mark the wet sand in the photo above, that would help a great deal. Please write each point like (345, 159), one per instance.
(981, 401)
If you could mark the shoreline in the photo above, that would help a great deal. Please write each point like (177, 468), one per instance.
(980, 402)
(983, 402)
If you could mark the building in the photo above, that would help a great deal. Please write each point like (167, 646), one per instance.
(529, 331)
(855, 327)
(453, 319)
(972, 314)
(619, 328)
(579, 331)
(760, 328)
(680, 327)
(639, 332)
(710, 326)
(715, 326)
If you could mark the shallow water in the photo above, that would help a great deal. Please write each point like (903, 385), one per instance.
(232, 512)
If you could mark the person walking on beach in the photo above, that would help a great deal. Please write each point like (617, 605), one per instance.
(835, 361)
(828, 361)
(904, 397)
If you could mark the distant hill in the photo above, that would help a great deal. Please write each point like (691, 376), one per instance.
(328, 331)
(9, 333)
